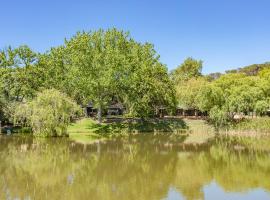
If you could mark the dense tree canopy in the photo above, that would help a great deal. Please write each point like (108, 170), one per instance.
(188, 82)
(245, 91)
(99, 67)
(187, 92)
(234, 94)
(107, 66)
(19, 75)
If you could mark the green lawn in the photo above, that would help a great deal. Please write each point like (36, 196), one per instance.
(88, 130)
(83, 131)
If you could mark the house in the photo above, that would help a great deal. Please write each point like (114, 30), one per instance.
(90, 110)
(189, 112)
(161, 111)
(115, 109)
(112, 109)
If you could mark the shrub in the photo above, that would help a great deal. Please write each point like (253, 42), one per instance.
(219, 117)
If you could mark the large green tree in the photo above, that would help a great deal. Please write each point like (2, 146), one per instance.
(188, 82)
(19, 76)
(102, 65)
(233, 94)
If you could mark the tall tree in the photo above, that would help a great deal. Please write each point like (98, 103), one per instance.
(19, 76)
(106, 64)
(190, 68)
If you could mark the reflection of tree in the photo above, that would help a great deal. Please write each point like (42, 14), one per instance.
(137, 168)
(57, 171)
(239, 171)
(191, 175)
(234, 171)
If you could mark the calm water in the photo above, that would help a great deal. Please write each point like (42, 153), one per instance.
(139, 168)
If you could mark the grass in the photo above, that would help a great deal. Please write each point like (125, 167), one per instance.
(88, 130)
(81, 131)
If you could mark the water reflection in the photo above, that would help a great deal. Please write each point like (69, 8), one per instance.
(140, 167)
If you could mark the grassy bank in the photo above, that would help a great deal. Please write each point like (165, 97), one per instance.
(86, 129)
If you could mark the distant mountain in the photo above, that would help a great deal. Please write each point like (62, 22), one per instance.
(250, 70)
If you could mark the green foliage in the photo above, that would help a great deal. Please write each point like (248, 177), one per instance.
(87, 128)
(251, 70)
(7, 58)
(110, 65)
(219, 117)
(2, 106)
(233, 94)
(191, 68)
(188, 92)
(261, 107)
(100, 66)
(243, 98)
(48, 114)
(19, 77)
(188, 83)
(209, 96)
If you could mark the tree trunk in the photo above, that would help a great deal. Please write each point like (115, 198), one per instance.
(99, 115)
(196, 113)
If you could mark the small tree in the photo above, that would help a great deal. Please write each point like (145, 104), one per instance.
(49, 113)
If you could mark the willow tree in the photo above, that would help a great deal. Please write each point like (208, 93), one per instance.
(48, 114)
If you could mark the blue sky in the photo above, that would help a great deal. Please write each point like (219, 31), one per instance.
(225, 34)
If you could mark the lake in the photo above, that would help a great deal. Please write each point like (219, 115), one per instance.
(142, 167)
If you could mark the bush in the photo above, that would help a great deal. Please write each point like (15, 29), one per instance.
(48, 114)
(219, 117)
